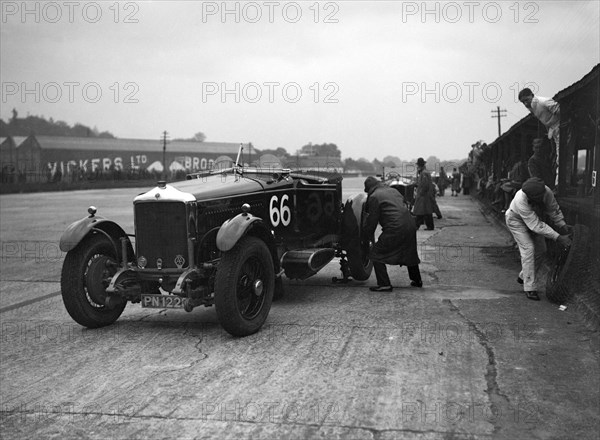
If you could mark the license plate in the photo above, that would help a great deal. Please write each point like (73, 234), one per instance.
(161, 301)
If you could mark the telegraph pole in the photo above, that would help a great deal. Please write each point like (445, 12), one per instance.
(164, 140)
(499, 114)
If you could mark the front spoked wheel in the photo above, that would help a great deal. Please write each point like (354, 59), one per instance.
(244, 286)
(86, 273)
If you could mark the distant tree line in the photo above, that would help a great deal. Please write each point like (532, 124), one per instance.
(361, 165)
(40, 126)
(198, 137)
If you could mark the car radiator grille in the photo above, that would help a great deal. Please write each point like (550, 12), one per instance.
(160, 233)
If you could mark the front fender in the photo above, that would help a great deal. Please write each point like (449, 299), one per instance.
(77, 230)
(234, 229)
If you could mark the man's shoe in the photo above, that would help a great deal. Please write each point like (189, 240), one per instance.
(439, 217)
(429, 229)
(519, 280)
(533, 295)
(380, 289)
(416, 284)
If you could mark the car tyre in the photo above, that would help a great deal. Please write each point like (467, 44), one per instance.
(244, 287)
(358, 260)
(86, 273)
(354, 242)
(569, 267)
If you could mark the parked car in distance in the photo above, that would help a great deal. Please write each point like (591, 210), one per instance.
(405, 185)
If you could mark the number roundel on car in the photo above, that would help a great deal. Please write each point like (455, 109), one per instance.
(279, 211)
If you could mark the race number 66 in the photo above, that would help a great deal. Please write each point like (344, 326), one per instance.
(280, 214)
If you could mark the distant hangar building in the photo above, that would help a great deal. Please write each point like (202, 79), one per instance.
(66, 158)
(38, 157)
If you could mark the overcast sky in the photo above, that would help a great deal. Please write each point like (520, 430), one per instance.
(376, 78)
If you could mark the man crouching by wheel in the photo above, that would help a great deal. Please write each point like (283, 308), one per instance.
(397, 243)
(523, 219)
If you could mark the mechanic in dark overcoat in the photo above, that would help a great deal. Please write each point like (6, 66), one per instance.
(397, 243)
(423, 209)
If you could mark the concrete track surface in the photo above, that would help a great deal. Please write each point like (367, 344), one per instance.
(465, 357)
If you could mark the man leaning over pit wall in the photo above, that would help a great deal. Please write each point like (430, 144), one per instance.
(523, 219)
(547, 111)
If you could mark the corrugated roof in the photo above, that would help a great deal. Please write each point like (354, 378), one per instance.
(589, 77)
(99, 144)
(19, 140)
(527, 120)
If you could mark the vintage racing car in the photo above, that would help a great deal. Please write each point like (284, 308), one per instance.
(222, 237)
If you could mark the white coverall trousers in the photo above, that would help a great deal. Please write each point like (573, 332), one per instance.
(532, 247)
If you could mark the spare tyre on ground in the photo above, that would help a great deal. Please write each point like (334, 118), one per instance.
(570, 268)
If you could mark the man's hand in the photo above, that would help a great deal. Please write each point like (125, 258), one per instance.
(564, 241)
(566, 230)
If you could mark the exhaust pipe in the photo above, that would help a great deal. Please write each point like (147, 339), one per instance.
(304, 263)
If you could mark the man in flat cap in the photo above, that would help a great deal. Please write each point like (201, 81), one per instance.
(397, 243)
(424, 200)
(523, 219)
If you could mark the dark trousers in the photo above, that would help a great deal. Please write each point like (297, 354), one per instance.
(383, 278)
(427, 219)
(436, 209)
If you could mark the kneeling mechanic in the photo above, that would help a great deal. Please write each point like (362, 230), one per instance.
(397, 243)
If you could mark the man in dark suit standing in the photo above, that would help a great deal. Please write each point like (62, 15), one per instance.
(423, 208)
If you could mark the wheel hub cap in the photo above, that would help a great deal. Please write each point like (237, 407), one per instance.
(258, 287)
(96, 277)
